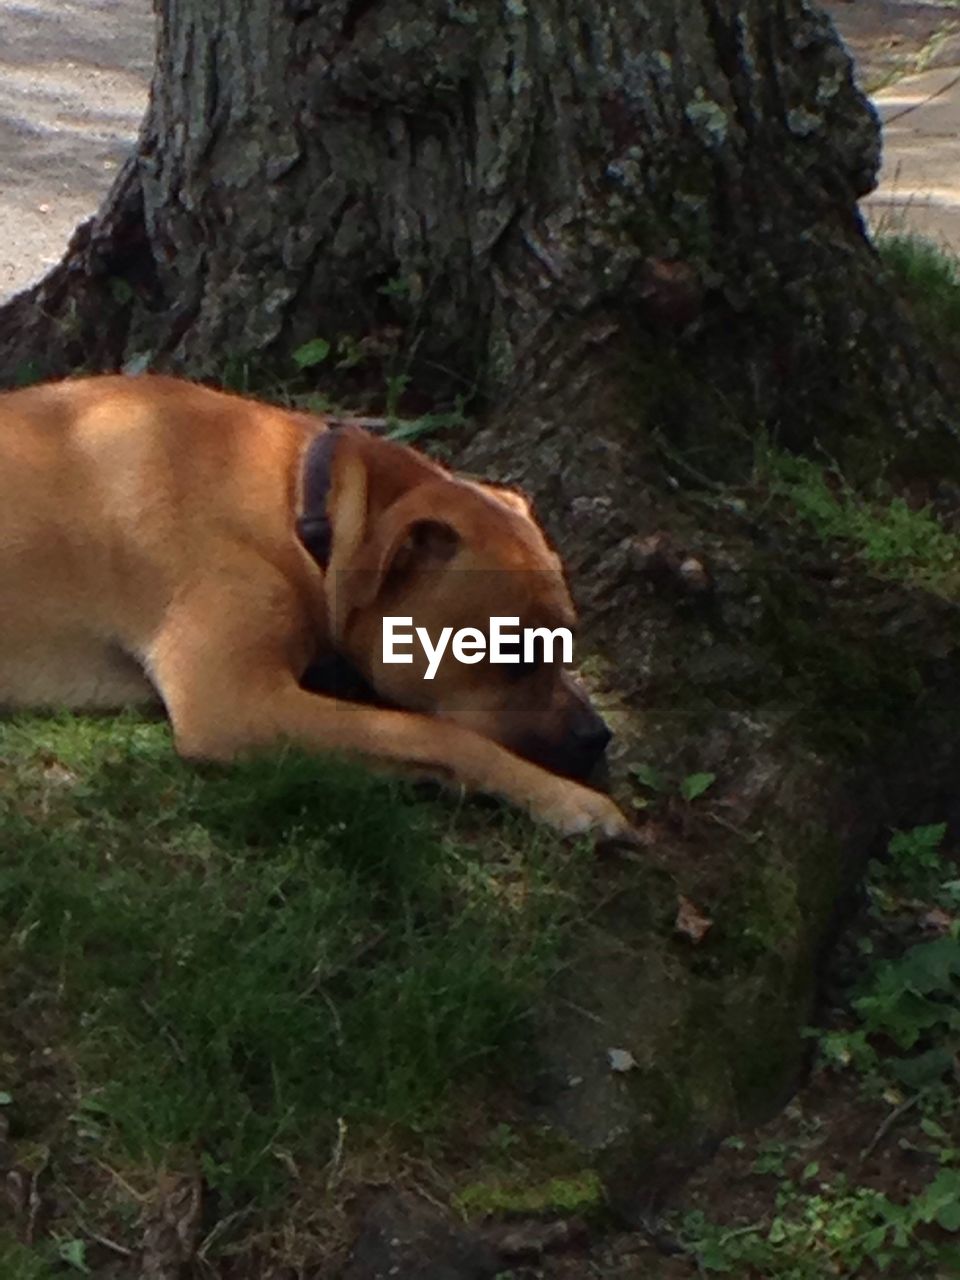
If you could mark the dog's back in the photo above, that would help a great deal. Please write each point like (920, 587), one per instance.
(111, 490)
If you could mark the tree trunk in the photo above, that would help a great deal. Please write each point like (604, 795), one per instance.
(455, 192)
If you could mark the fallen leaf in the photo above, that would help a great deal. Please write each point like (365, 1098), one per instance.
(691, 923)
(56, 774)
(172, 1228)
(937, 920)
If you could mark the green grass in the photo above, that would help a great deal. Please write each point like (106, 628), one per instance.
(238, 960)
(928, 277)
(890, 537)
(20, 1263)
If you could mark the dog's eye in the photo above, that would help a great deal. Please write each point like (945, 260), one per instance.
(520, 670)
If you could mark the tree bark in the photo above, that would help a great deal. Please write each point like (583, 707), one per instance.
(460, 192)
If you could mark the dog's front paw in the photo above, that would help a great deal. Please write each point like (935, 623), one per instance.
(575, 810)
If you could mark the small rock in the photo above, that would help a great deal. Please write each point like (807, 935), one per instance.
(531, 1240)
(404, 1236)
(621, 1060)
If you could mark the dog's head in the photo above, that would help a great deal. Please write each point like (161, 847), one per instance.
(405, 539)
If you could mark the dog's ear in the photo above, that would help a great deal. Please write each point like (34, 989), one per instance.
(418, 544)
(407, 541)
(415, 533)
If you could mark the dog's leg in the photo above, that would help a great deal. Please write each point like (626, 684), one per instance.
(224, 663)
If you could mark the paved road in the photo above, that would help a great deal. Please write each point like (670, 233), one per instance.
(920, 182)
(73, 87)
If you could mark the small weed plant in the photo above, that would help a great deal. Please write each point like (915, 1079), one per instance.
(907, 1008)
(902, 1043)
(890, 537)
(929, 279)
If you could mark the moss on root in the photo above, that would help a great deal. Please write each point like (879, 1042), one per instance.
(580, 1192)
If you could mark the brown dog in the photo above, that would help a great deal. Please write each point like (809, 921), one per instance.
(158, 537)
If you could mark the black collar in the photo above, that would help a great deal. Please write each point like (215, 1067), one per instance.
(313, 525)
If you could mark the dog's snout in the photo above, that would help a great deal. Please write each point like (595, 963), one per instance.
(577, 752)
(592, 737)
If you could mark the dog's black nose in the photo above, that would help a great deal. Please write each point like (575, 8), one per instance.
(592, 737)
(577, 753)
